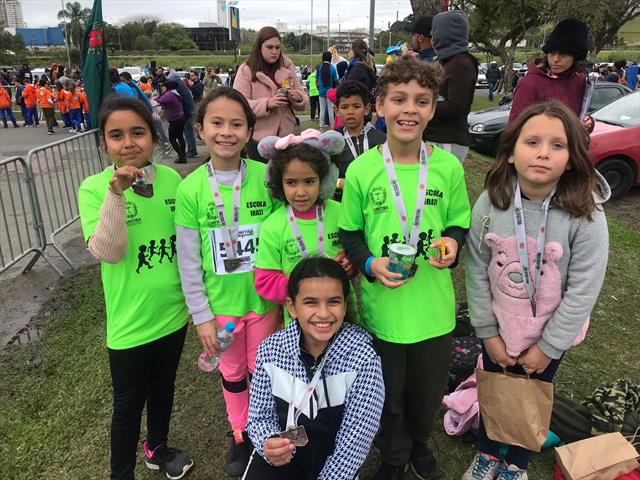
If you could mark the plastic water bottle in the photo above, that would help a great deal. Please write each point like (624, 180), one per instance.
(209, 363)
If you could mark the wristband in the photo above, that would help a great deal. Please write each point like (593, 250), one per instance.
(367, 265)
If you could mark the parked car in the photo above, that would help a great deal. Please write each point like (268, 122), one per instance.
(615, 143)
(485, 126)
(481, 82)
(136, 72)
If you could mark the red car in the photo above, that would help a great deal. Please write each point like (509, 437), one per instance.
(615, 143)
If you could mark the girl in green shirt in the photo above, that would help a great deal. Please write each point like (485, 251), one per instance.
(128, 222)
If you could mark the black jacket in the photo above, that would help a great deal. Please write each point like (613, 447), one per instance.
(449, 124)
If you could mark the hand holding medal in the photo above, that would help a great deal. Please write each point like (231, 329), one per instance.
(447, 250)
(124, 177)
(278, 451)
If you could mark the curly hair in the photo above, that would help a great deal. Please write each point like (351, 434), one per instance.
(278, 164)
(405, 69)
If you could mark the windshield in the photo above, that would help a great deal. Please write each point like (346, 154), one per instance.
(132, 70)
(624, 112)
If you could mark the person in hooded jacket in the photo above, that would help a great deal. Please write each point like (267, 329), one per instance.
(448, 127)
(556, 76)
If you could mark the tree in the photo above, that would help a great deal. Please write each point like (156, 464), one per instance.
(137, 25)
(498, 26)
(291, 42)
(173, 36)
(111, 37)
(73, 17)
(427, 7)
(12, 49)
(144, 42)
(604, 18)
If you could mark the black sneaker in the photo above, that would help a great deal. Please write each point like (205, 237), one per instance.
(240, 450)
(173, 463)
(423, 463)
(390, 472)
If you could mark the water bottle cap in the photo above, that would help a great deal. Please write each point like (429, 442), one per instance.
(230, 327)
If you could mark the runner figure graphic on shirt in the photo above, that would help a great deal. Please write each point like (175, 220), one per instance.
(423, 243)
(172, 246)
(163, 250)
(152, 249)
(142, 258)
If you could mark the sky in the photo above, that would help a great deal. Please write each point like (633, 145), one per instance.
(253, 13)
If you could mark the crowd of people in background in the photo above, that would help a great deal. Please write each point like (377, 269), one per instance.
(314, 375)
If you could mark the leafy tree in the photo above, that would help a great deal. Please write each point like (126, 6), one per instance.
(110, 34)
(144, 42)
(291, 42)
(604, 18)
(73, 17)
(498, 26)
(426, 7)
(135, 26)
(173, 36)
(12, 49)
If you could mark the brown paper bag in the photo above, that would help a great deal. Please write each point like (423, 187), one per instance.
(605, 457)
(515, 409)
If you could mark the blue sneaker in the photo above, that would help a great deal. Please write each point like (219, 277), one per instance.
(483, 467)
(511, 472)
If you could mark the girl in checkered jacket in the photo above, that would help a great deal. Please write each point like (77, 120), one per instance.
(317, 390)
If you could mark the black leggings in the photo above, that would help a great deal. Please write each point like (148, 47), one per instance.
(139, 375)
(176, 137)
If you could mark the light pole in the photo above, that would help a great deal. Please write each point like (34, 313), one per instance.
(311, 30)
(66, 36)
(372, 17)
(328, 23)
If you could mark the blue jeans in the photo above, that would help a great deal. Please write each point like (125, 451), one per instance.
(517, 456)
(76, 118)
(7, 111)
(87, 121)
(66, 119)
(31, 116)
(492, 87)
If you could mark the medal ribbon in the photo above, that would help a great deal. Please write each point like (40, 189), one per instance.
(531, 283)
(365, 141)
(227, 233)
(412, 238)
(295, 230)
(292, 420)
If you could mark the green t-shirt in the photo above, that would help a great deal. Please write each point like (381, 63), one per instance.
(278, 248)
(233, 293)
(143, 295)
(425, 307)
(313, 88)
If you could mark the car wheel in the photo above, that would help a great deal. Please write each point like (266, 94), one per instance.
(618, 174)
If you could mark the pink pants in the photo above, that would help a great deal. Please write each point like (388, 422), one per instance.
(250, 331)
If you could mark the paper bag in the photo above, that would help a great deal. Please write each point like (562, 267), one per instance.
(515, 409)
(605, 457)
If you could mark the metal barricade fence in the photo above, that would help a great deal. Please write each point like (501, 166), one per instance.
(21, 233)
(57, 169)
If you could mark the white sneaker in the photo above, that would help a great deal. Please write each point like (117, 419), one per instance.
(483, 467)
(511, 472)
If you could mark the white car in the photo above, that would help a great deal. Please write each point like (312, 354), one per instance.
(136, 72)
(481, 82)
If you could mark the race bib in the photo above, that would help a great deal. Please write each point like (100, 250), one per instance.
(246, 250)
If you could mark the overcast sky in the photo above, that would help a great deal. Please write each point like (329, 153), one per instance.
(253, 13)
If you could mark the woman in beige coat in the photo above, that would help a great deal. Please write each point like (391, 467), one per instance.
(268, 80)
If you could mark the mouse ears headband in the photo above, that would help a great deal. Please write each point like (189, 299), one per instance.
(328, 143)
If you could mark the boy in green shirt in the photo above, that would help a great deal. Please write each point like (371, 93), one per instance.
(406, 192)
(314, 95)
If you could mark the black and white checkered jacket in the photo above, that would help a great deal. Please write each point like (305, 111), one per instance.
(343, 414)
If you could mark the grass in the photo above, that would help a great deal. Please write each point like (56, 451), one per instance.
(56, 396)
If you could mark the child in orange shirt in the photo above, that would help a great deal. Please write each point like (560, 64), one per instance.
(61, 100)
(5, 109)
(75, 111)
(30, 100)
(45, 99)
(84, 103)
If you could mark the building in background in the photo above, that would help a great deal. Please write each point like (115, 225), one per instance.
(214, 39)
(11, 14)
(36, 38)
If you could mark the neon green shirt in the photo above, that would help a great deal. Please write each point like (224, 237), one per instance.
(143, 295)
(424, 307)
(313, 88)
(278, 248)
(233, 293)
